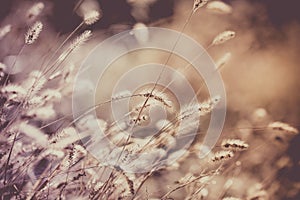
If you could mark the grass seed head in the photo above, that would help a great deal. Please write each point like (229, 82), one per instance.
(33, 32)
(80, 40)
(199, 4)
(219, 7)
(284, 127)
(91, 17)
(234, 145)
(222, 155)
(223, 37)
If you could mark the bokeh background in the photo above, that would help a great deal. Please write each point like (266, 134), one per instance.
(262, 73)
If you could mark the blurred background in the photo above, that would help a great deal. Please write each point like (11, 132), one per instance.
(261, 76)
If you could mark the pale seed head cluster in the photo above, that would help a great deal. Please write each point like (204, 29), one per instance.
(283, 127)
(223, 37)
(33, 32)
(222, 155)
(199, 4)
(91, 17)
(234, 145)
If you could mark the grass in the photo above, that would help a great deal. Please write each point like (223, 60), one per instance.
(44, 151)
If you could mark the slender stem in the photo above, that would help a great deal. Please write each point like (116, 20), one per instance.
(13, 65)
(9, 156)
(62, 44)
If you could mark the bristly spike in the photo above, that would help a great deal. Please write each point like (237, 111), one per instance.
(33, 32)
(199, 4)
(222, 156)
(91, 17)
(80, 40)
(234, 145)
(219, 7)
(223, 37)
(284, 127)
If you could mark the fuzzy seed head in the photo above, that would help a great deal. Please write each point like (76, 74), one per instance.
(219, 7)
(91, 17)
(207, 106)
(76, 154)
(158, 97)
(80, 40)
(284, 127)
(199, 4)
(234, 145)
(222, 155)
(223, 37)
(33, 32)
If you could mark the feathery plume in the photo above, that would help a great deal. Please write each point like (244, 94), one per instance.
(284, 127)
(158, 97)
(199, 109)
(223, 37)
(222, 155)
(61, 135)
(33, 32)
(219, 7)
(234, 145)
(80, 40)
(199, 4)
(91, 17)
